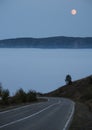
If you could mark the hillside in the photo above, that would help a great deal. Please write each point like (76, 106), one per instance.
(50, 42)
(80, 90)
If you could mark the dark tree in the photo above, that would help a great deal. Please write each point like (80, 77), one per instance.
(31, 96)
(20, 96)
(1, 89)
(68, 79)
(5, 96)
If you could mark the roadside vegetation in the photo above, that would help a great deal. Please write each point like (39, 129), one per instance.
(19, 97)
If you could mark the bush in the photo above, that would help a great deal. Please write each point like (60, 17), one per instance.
(68, 79)
(1, 89)
(31, 96)
(20, 96)
(5, 96)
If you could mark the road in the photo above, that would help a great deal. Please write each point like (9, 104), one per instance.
(55, 114)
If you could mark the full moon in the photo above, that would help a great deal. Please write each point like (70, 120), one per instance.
(73, 11)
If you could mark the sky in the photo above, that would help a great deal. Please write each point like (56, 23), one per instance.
(45, 18)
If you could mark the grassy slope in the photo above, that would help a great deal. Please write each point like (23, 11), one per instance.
(81, 92)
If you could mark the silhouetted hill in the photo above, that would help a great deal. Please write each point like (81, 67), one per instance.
(80, 90)
(50, 42)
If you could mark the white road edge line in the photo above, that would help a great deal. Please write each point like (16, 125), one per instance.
(18, 108)
(13, 122)
(70, 117)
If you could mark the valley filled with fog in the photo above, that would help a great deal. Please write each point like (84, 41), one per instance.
(42, 70)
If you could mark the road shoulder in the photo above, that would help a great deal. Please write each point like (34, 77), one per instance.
(82, 118)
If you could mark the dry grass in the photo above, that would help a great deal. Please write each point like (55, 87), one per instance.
(82, 118)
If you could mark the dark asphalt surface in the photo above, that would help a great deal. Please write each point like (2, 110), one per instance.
(51, 115)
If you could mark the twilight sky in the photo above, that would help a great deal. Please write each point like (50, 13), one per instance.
(45, 18)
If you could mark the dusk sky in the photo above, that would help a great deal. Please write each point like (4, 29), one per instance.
(45, 18)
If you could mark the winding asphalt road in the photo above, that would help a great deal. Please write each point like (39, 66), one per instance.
(56, 114)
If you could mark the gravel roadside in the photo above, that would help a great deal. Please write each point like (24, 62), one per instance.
(82, 118)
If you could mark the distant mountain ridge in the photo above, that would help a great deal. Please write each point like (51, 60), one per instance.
(50, 42)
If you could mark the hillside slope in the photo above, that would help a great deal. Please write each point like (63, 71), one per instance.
(80, 90)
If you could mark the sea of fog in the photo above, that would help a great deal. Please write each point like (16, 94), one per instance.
(42, 70)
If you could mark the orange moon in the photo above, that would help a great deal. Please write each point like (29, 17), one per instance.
(73, 11)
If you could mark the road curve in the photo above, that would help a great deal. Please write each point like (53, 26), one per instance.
(55, 114)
